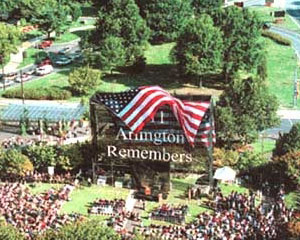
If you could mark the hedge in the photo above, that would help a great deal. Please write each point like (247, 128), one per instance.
(277, 38)
(39, 94)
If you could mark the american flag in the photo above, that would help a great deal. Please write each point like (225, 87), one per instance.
(136, 107)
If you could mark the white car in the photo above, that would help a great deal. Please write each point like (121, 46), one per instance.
(63, 61)
(46, 69)
(25, 77)
(7, 83)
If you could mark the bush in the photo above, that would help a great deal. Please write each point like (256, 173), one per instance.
(82, 80)
(41, 156)
(277, 38)
(8, 232)
(89, 230)
(15, 163)
(288, 142)
(223, 157)
(249, 160)
(40, 94)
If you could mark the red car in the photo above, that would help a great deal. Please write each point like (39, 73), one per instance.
(46, 61)
(45, 44)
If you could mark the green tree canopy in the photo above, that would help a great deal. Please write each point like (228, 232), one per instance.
(83, 79)
(244, 109)
(165, 18)
(199, 48)
(243, 49)
(111, 54)
(288, 142)
(14, 162)
(89, 230)
(121, 19)
(202, 6)
(9, 40)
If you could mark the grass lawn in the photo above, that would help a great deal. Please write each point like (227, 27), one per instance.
(55, 80)
(80, 23)
(43, 187)
(81, 198)
(66, 37)
(292, 200)
(31, 57)
(266, 146)
(281, 65)
(264, 14)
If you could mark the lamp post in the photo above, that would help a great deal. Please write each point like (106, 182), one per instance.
(22, 87)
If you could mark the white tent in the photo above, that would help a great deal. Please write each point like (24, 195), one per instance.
(225, 174)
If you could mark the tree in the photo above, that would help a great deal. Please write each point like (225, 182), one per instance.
(9, 40)
(41, 156)
(15, 163)
(165, 18)
(202, 6)
(83, 79)
(244, 109)
(288, 142)
(110, 54)
(199, 47)
(51, 16)
(89, 230)
(121, 19)
(243, 49)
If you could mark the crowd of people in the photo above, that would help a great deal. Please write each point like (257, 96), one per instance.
(33, 214)
(169, 213)
(236, 217)
(17, 142)
(107, 207)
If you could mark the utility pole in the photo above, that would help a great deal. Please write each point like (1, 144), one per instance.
(295, 89)
(22, 87)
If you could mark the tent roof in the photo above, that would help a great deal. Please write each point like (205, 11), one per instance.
(51, 112)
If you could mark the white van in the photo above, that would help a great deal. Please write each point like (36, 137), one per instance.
(46, 69)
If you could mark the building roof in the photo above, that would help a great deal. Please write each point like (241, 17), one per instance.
(34, 112)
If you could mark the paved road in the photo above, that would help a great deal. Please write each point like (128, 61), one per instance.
(249, 3)
(293, 8)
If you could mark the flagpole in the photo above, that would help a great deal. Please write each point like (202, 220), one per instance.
(210, 147)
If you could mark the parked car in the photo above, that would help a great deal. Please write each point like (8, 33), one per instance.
(43, 70)
(45, 44)
(64, 50)
(31, 71)
(266, 25)
(63, 61)
(10, 76)
(75, 55)
(25, 77)
(6, 82)
(46, 61)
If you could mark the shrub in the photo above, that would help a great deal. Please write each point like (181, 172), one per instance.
(41, 156)
(249, 160)
(14, 162)
(223, 157)
(40, 94)
(277, 38)
(8, 232)
(288, 142)
(89, 230)
(83, 79)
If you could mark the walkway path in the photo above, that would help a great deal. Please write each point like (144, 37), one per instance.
(137, 209)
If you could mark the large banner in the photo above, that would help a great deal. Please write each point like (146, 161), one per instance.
(148, 124)
(148, 131)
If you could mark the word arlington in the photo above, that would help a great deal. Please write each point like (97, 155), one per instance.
(157, 138)
(154, 155)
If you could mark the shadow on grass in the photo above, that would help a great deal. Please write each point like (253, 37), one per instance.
(164, 75)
